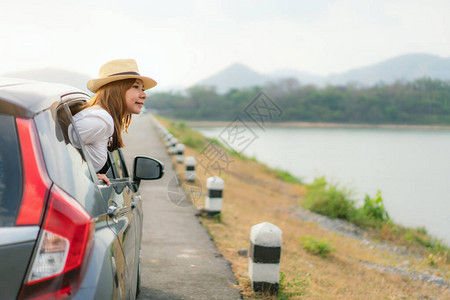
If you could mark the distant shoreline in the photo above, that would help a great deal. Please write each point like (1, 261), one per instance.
(319, 125)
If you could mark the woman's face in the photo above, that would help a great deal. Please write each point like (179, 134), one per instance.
(135, 97)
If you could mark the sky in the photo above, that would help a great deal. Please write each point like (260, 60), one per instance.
(179, 43)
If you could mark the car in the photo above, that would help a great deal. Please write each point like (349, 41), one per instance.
(63, 233)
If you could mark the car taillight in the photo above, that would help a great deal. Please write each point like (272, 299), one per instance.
(63, 249)
(66, 232)
(36, 182)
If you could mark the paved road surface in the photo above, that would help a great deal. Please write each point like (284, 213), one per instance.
(179, 260)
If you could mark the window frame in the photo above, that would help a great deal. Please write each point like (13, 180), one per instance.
(66, 107)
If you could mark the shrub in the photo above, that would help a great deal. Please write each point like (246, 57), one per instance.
(317, 247)
(374, 207)
(193, 142)
(327, 199)
(330, 200)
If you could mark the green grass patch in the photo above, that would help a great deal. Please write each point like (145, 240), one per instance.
(218, 218)
(320, 247)
(336, 202)
(374, 207)
(416, 238)
(292, 289)
(329, 200)
(187, 136)
(286, 176)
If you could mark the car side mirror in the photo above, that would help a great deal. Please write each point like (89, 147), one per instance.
(146, 168)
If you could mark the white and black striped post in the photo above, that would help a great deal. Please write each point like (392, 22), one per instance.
(165, 134)
(171, 144)
(173, 150)
(167, 137)
(213, 202)
(172, 141)
(190, 162)
(264, 259)
(180, 151)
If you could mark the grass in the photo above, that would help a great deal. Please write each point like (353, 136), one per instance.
(254, 193)
(333, 201)
(218, 217)
(328, 200)
(187, 136)
(320, 247)
(286, 176)
(290, 289)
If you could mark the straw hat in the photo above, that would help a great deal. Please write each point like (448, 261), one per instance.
(117, 70)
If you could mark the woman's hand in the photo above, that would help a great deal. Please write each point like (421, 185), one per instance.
(104, 178)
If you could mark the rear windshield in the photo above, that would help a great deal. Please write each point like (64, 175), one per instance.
(10, 171)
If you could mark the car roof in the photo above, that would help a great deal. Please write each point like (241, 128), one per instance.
(26, 98)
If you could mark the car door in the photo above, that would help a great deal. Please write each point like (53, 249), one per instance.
(130, 235)
(121, 214)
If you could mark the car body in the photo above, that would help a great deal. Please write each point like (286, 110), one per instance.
(63, 233)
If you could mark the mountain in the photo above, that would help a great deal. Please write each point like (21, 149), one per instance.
(235, 76)
(406, 67)
(74, 79)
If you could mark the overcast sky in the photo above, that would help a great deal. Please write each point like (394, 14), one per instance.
(181, 42)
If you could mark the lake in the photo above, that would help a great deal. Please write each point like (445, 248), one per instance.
(410, 167)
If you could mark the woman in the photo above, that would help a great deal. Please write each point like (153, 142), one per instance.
(119, 94)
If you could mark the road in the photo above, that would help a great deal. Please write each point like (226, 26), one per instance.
(179, 259)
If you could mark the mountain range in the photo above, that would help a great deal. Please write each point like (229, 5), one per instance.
(406, 67)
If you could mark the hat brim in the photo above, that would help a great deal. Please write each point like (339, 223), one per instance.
(94, 84)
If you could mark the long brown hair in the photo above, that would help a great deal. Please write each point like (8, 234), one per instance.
(111, 97)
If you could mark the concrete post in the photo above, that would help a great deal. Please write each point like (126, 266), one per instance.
(172, 150)
(190, 162)
(164, 133)
(167, 139)
(213, 202)
(180, 151)
(172, 142)
(171, 145)
(264, 259)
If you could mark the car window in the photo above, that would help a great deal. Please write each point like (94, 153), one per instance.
(116, 168)
(119, 164)
(10, 171)
(65, 163)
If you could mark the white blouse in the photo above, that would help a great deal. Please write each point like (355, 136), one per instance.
(95, 126)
